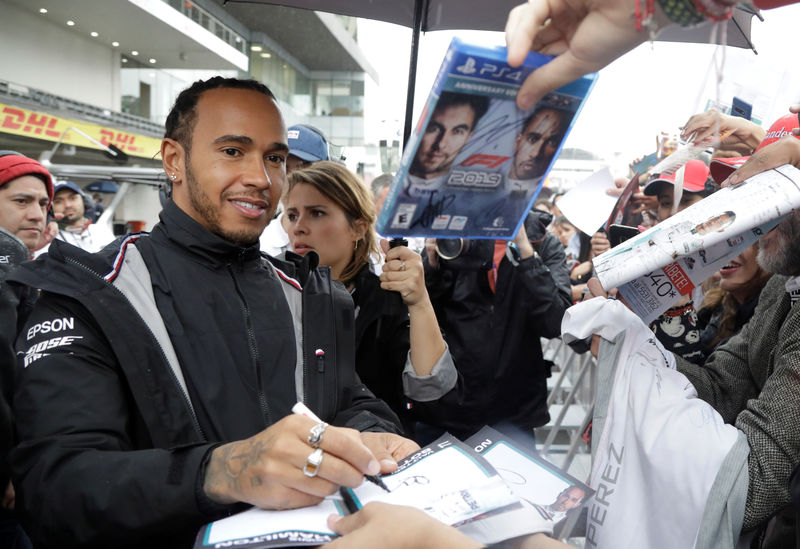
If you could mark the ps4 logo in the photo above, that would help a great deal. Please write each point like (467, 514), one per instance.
(468, 67)
(490, 69)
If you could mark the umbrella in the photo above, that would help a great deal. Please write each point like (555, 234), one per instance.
(430, 15)
(738, 30)
(420, 15)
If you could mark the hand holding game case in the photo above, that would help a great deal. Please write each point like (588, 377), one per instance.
(475, 163)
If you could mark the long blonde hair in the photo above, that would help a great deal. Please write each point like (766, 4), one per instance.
(348, 192)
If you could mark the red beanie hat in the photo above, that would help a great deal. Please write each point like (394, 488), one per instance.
(14, 165)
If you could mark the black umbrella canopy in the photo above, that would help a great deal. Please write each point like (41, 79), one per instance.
(431, 15)
(487, 15)
(420, 15)
(738, 30)
(436, 14)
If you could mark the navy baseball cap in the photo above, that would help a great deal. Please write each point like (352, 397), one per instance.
(61, 185)
(307, 143)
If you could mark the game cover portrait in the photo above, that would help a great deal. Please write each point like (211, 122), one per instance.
(479, 164)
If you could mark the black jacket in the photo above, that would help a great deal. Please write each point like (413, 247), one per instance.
(112, 451)
(494, 336)
(12, 252)
(382, 339)
(382, 347)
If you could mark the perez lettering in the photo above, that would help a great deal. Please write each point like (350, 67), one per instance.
(608, 481)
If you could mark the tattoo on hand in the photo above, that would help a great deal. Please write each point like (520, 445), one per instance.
(242, 456)
(229, 465)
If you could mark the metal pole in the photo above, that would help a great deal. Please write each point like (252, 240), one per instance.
(412, 69)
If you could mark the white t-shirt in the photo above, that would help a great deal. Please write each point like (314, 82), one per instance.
(274, 240)
(92, 238)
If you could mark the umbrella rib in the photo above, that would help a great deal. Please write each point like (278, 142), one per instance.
(744, 34)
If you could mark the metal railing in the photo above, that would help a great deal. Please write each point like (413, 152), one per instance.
(580, 370)
(572, 390)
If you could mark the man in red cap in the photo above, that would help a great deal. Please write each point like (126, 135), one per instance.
(676, 329)
(694, 186)
(26, 191)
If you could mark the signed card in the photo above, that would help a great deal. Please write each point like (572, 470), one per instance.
(446, 480)
(550, 491)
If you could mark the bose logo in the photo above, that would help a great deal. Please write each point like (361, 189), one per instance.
(50, 343)
(55, 325)
(35, 352)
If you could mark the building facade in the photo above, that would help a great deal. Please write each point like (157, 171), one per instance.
(97, 72)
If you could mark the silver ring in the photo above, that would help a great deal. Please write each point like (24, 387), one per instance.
(402, 266)
(315, 438)
(313, 463)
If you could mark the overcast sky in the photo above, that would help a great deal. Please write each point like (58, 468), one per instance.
(652, 89)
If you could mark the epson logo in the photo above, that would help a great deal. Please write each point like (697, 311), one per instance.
(491, 70)
(55, 325)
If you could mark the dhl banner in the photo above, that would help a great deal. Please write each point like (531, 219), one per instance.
(19, 121)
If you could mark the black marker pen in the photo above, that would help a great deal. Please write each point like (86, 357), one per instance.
(349, 500)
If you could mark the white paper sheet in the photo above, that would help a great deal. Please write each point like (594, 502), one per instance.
(587, 205)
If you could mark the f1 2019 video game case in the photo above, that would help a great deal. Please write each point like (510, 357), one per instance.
(475, 162)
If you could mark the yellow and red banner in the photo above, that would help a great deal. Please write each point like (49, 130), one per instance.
(19, 121)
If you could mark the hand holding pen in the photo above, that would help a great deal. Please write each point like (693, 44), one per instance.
(293, 463)
(315, 439)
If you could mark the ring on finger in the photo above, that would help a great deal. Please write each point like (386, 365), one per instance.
(313, 463)
(315, 438)
(402, 266)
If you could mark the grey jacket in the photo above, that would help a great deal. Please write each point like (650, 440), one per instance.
(752, 381)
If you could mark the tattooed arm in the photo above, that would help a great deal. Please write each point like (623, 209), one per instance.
(266, 470)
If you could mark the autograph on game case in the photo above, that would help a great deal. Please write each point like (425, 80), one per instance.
(433, 209)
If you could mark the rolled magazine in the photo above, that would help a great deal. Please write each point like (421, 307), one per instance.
(655, 268)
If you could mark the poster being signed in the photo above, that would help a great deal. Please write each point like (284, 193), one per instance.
(446, 479)
(475, 162)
